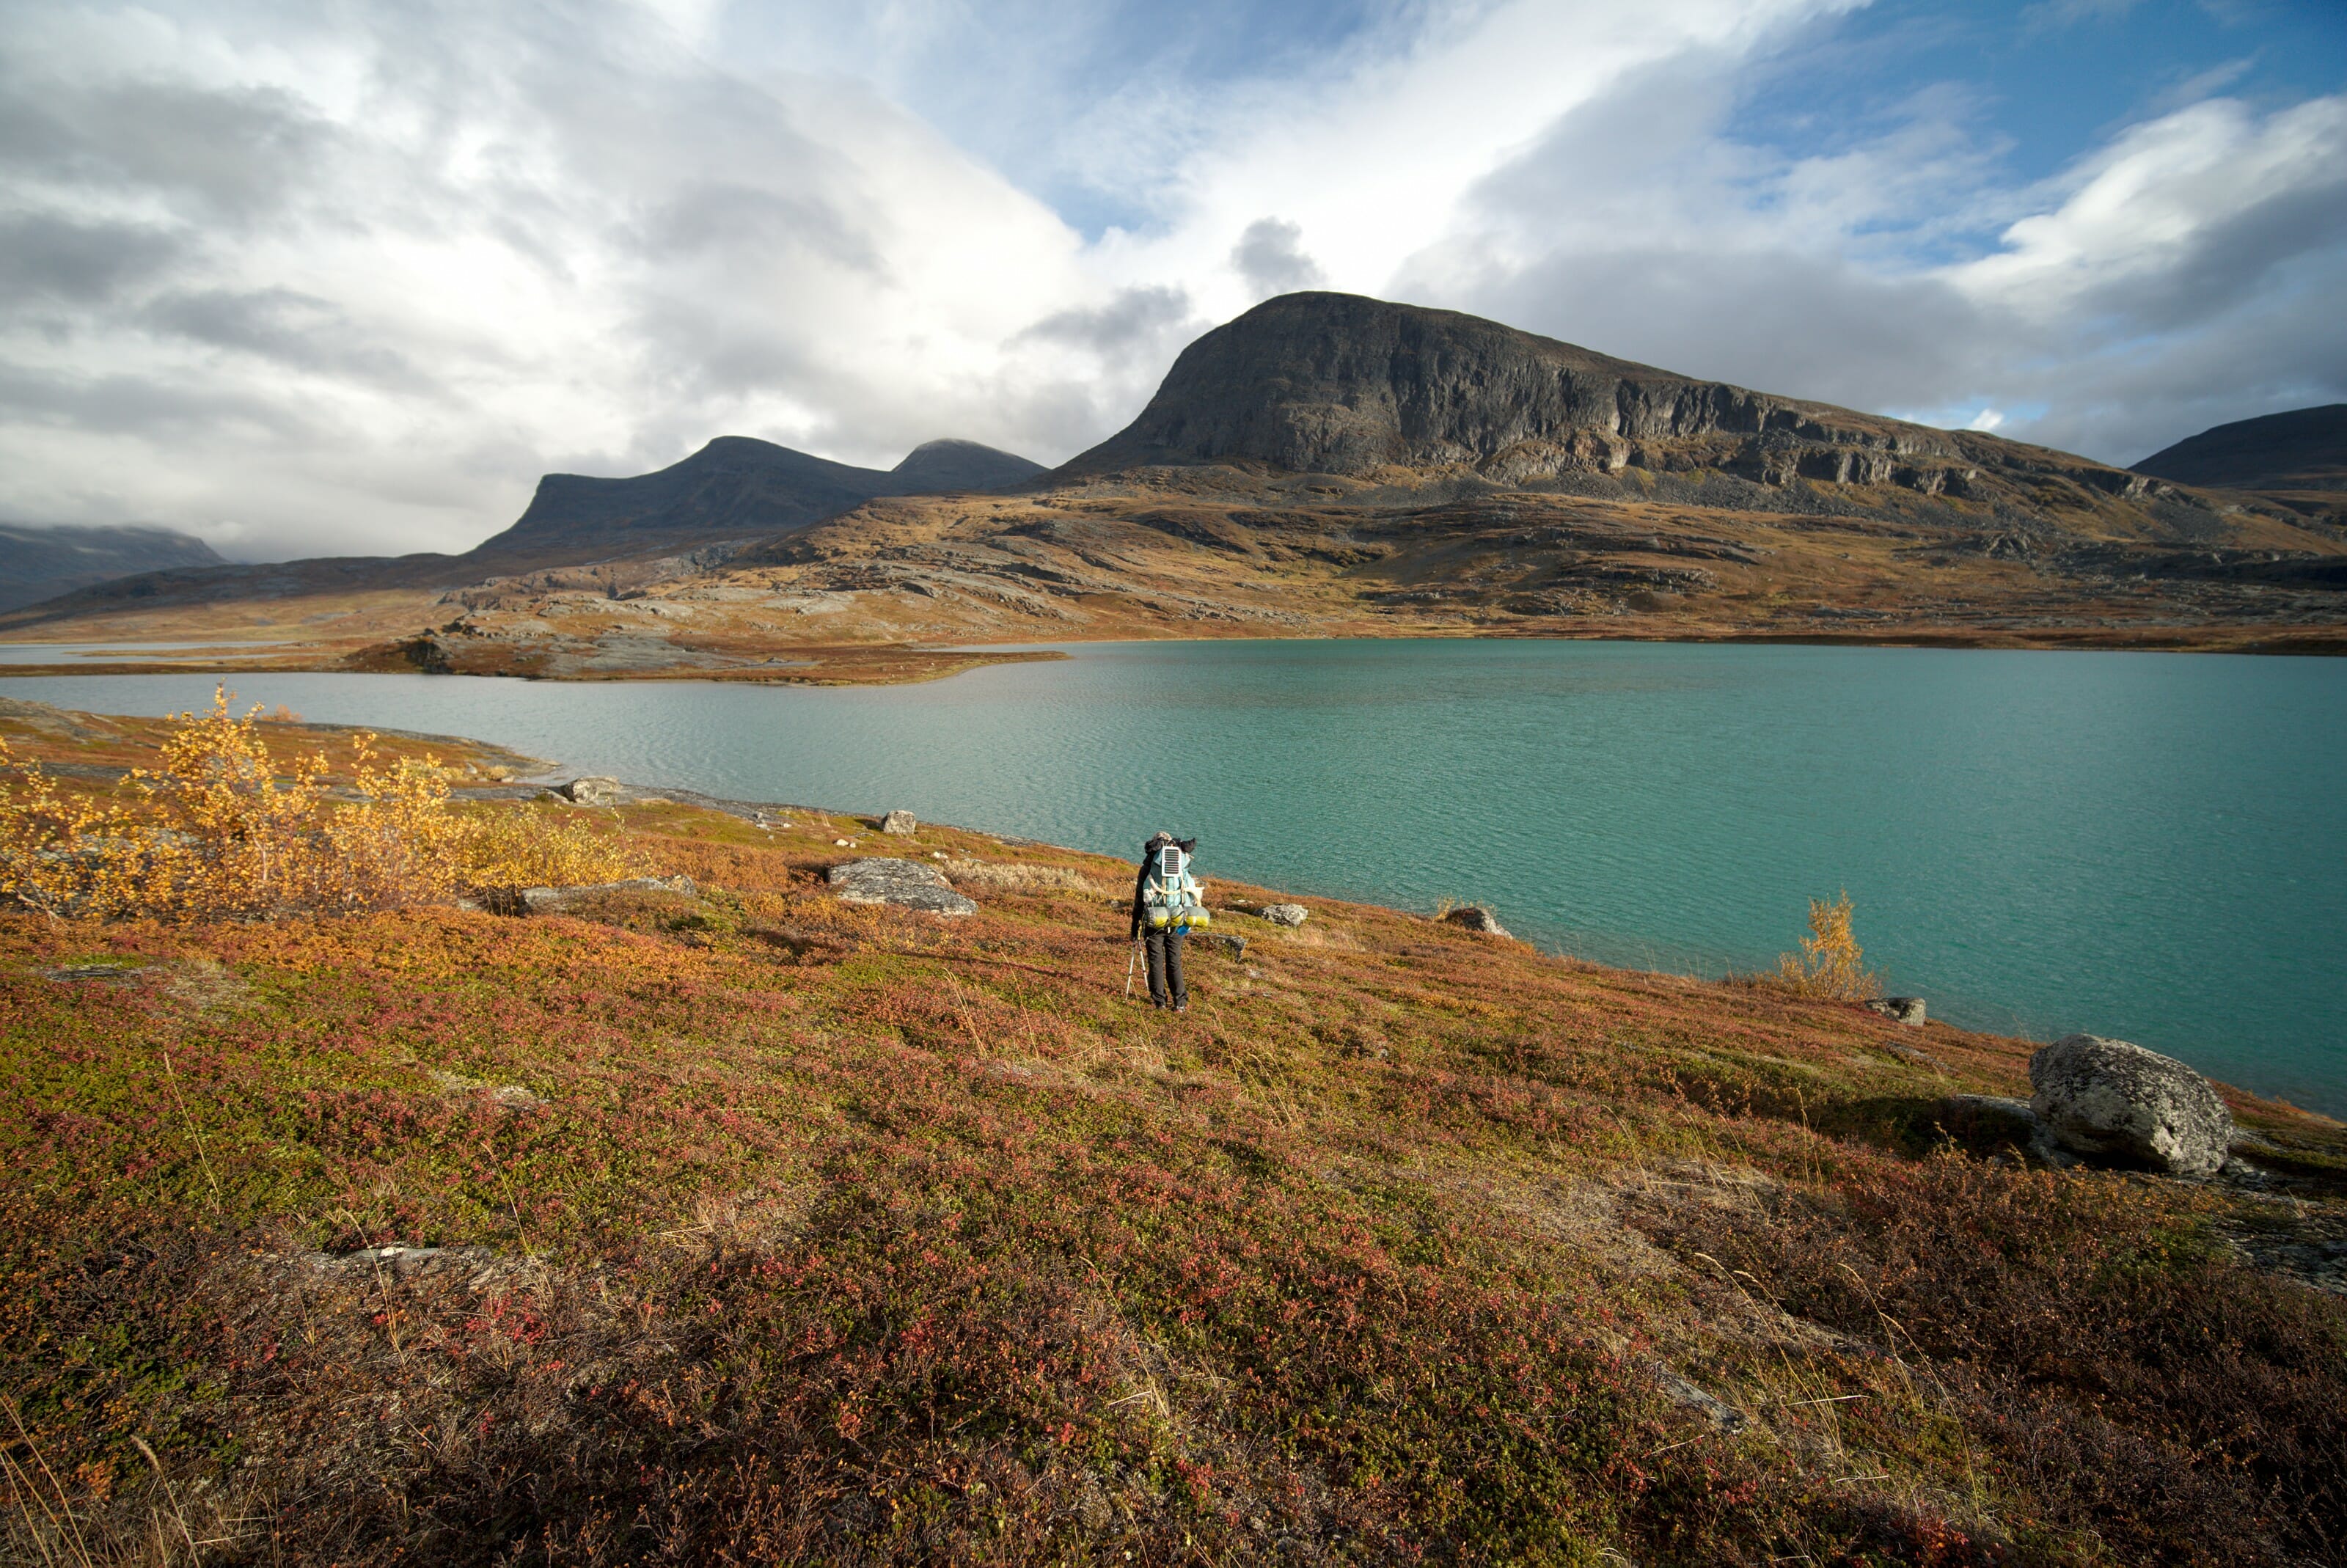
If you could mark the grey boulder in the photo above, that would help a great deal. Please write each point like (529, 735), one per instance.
(2114, 1098)
(554, 900)
(899, 822)
(908, 884)
(592, 791)
(1475, 918)
(1288, 915)
(1907, 1010)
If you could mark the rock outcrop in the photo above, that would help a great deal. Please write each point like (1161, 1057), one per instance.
(554, 900)
(1288, 915)
(1907, 1010)
(593, 790)
(908, 884)
(900, 822)
(2113, 1098)
(1475, 918)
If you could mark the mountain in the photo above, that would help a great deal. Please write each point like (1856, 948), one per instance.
(2304, 449)
(613, 535)
(735, 487)
(38, 563)
(1341, 384)
(938, 467)
(1324, 464)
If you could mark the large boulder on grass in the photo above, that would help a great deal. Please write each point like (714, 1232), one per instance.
(899, 822)
(2115, 1100)
(908, 884)
(1288, 915)
(1475, 918)
(592, 791)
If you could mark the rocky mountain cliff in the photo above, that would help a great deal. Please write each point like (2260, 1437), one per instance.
(1340, 385)
(734, 487)
(38, 563)
(2304, 449)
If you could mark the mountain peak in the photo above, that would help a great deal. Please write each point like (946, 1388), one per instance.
(950, 463)
(735, 487)
(1342, 383)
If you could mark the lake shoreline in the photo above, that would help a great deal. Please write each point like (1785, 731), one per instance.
(1658, 807)
(914, 663)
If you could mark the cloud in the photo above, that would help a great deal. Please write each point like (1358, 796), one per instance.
(2047, 16)
(1270, 257)
(2144, 291)
(350, 278)
(62, 260)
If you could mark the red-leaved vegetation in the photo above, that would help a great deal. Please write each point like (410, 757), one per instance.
(753, 1226)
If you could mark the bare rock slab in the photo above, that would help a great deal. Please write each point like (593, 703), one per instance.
(908, 884)
(592, 791)
(2115, 1100)
(554, 900)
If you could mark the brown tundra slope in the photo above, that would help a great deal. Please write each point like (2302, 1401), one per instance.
(1332, 466)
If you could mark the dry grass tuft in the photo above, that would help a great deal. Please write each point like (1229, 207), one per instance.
(1017, 876)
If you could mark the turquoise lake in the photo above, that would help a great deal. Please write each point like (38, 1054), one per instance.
(2152, 846)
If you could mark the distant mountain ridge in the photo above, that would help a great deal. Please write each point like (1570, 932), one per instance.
(38, 563)
(736, 487)
(2304, 449)
(1325, 465)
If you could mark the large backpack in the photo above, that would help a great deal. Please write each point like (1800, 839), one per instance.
(1170, 896)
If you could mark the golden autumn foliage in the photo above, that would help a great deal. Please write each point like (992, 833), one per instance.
(218, 830)
(1829, 966)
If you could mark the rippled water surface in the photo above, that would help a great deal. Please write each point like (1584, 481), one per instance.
(2146, 845)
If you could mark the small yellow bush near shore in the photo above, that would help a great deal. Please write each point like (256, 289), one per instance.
(1830, 966)
(218, 832)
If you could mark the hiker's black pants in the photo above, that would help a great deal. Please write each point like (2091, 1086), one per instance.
(1165, 966)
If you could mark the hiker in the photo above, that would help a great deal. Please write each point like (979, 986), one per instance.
(1168, 901)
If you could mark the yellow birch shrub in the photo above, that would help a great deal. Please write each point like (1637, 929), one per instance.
(216, 831)
(521, 846)
(1829, 966)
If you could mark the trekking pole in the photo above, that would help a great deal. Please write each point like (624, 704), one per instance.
(1131, 958)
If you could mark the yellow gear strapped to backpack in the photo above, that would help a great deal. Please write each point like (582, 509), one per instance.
(1171, 895)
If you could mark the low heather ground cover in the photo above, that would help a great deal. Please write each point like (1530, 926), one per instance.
(770, 1227)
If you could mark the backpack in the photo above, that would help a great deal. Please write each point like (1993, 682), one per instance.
(1170, 896)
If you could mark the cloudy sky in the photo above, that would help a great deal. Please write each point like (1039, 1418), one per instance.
(332, 277)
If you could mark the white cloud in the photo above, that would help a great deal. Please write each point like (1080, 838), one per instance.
(351, 278)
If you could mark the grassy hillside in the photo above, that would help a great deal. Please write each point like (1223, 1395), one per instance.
(772, 1227)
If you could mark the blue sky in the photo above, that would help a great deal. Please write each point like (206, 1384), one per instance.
(333, 279)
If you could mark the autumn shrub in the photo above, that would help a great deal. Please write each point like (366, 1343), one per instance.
(520, 846)
(215, 830)
(1830, 966)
